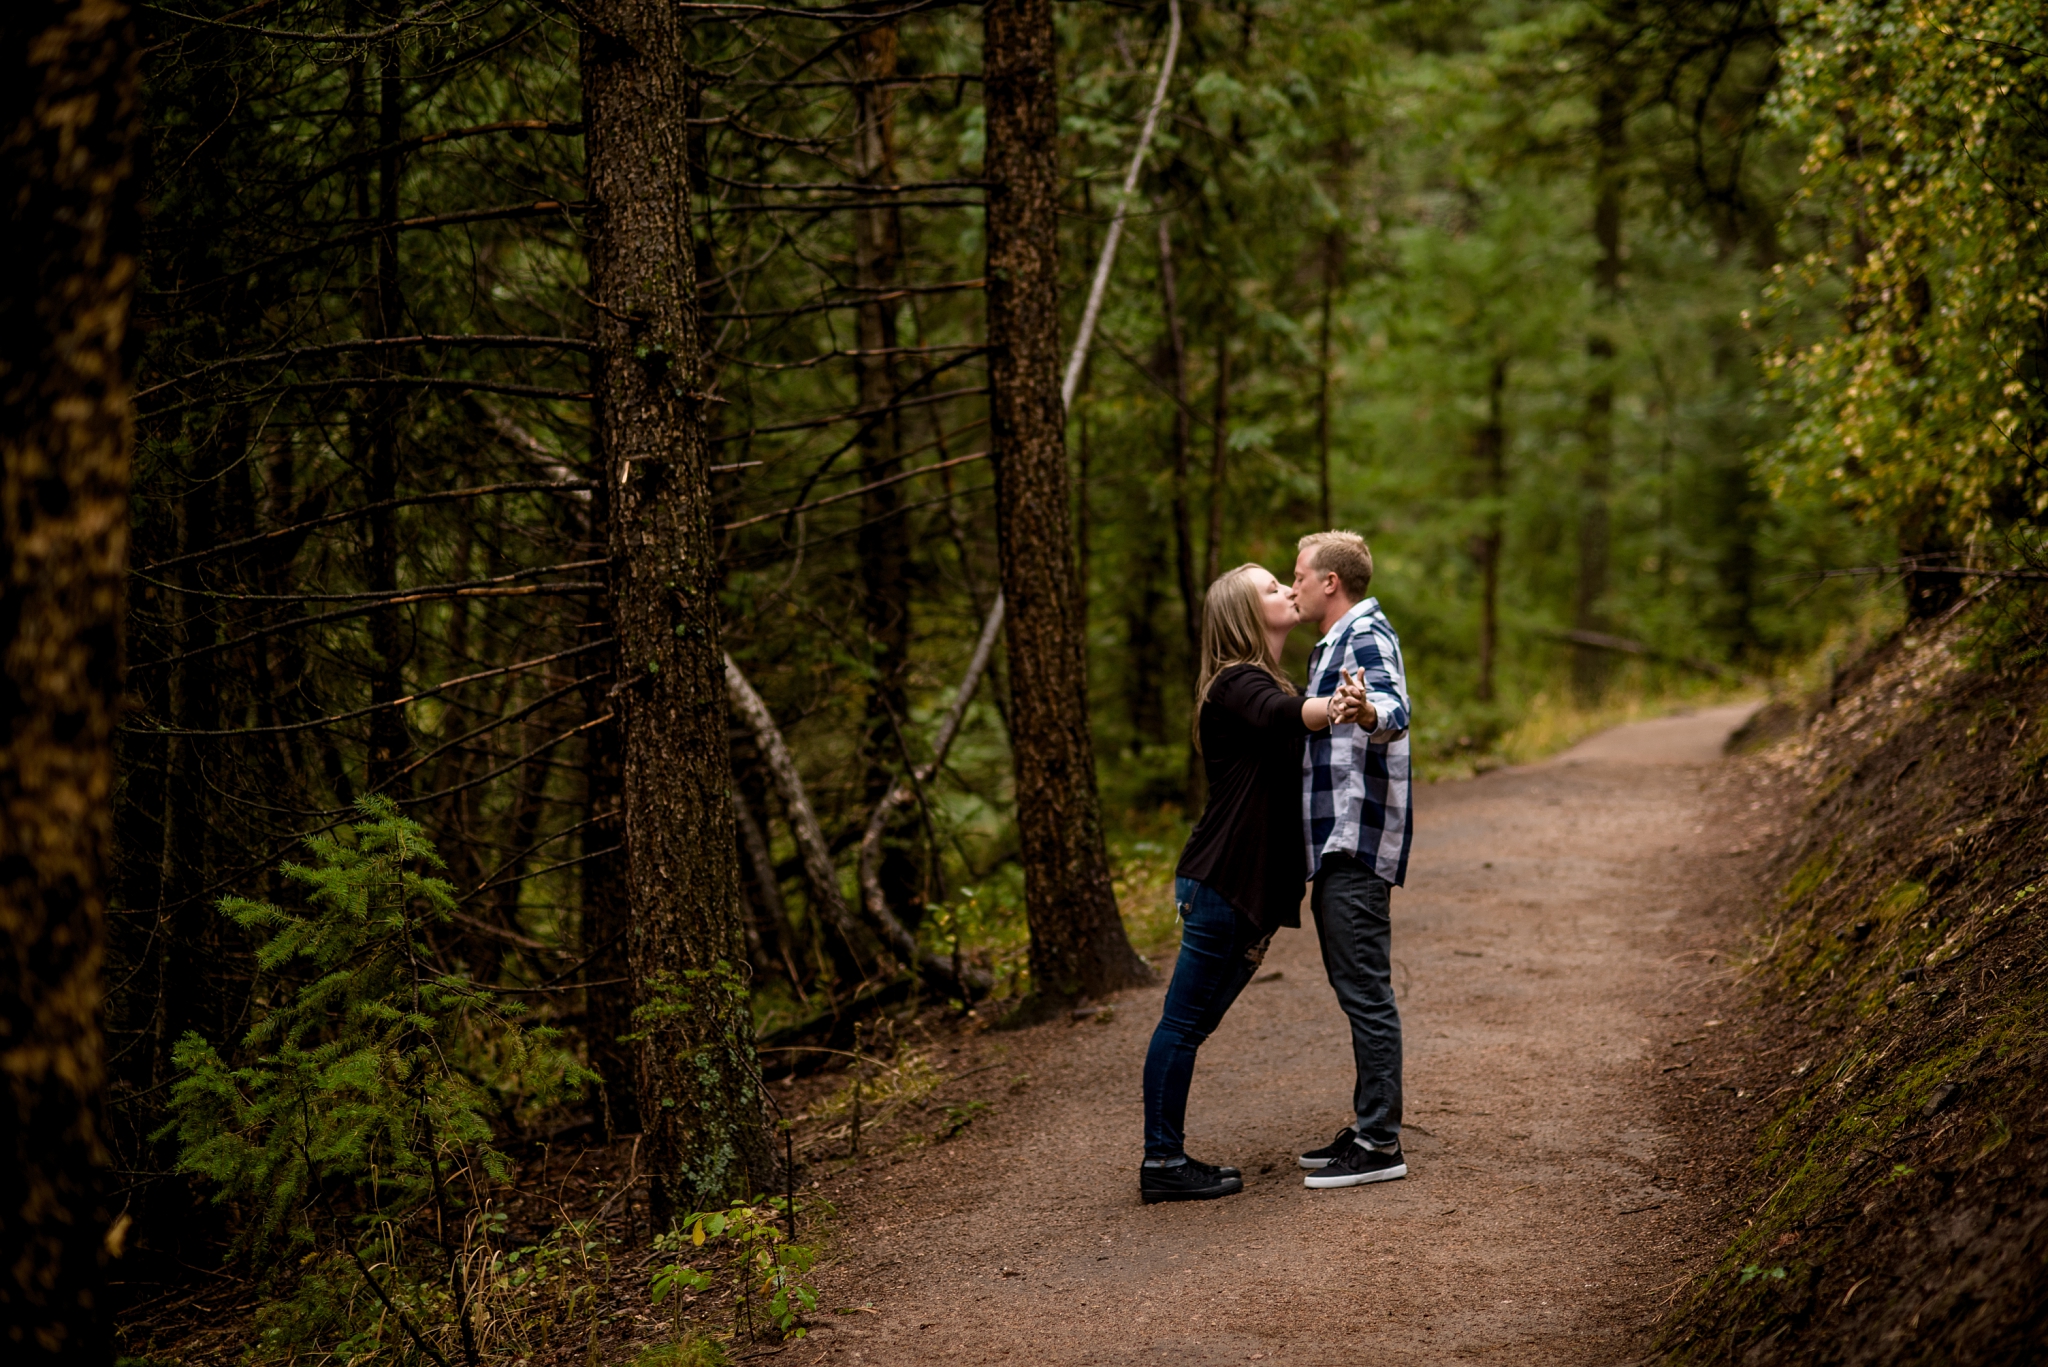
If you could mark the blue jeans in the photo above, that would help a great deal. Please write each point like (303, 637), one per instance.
(1211, 971)
(1352, 907)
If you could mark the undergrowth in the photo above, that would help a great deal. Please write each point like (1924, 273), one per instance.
(1898, 1213)
(357, 1134)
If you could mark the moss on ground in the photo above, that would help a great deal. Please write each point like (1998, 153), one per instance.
(1898, 1203)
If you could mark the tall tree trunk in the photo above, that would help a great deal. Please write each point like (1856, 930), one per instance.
(1610, 130)
(1084, 523)
(66, 235)
(1219, 421)
(1183, 522)
(607, 923)
(699, 1091)
(1183, 443)
(1143, 696)
(1333, 248)
(883, 543)
(383, 316)
(1490, 450)
(1077, 939)
(604, 881)
(186, 956)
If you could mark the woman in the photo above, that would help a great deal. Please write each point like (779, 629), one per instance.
(1241, 875)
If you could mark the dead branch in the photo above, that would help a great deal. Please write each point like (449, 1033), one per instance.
(834, 419)
(903, 793)
(582, 486)
(853, 493)
(1071, 384)
(821, 877)
(896, 292)
(340, 717)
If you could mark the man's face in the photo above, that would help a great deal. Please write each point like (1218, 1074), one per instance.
(1312, 587)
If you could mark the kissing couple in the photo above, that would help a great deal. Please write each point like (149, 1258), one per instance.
(1303, 788)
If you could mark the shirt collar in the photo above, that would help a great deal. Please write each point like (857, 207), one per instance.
(1343, 624)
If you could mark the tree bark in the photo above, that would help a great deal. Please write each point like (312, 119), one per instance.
(1143, 697)
(1218, 455)
(699, 1091)
(1183, 444)
(1078, 943)
(383, 316)
(65, 443)
(883, 543)
(1183, 526)
(1333, 248)
(1610, 130)
(1490, 448)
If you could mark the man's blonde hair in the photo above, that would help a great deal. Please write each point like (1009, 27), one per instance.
(1233, 633)
(1343, 554)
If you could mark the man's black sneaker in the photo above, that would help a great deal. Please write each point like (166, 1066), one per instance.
(1214, 1170)
(1189, 1181)
(1358, 1165)
(1332, 1151)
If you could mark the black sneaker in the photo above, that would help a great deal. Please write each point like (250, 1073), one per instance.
(1212, 1169)
(1358, 1165)
(1332, 1151)
(1189, 1181)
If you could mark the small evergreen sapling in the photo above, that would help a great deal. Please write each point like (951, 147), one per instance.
(365, 1090)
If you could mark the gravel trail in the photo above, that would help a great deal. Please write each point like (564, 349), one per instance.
(1557, 934)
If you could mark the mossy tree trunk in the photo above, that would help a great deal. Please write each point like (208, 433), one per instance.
(1078, 943)
(699, 1092)
(65, 444)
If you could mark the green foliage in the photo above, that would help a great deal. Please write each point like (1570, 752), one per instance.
(368, 1085)
(1925, 145)
(692, 1350)
(745, 1241)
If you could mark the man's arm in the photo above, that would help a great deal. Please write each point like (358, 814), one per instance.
(1376, 663)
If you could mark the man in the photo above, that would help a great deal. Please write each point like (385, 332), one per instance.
(1355, 793)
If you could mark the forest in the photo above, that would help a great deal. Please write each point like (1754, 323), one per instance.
(566, 559)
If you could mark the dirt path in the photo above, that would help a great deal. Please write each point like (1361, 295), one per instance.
(1548, 946)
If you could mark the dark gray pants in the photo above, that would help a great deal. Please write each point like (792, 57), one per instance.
(1352, 910)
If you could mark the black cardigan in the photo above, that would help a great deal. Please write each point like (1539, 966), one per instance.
(1249, 844)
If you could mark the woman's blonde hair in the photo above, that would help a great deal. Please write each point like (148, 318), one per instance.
(1233, 633)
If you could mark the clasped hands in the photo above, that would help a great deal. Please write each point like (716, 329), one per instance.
(1348, 703)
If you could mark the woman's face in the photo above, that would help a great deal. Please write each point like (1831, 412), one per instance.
(1276, 604)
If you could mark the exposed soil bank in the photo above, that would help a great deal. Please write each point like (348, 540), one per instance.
(1893, 1207)
(1564, 925)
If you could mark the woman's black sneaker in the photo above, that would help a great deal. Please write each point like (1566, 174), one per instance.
(1189, 1181)
(1332, 1151)
(1358, 1165)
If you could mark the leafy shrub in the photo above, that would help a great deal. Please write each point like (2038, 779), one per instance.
(767, 1269)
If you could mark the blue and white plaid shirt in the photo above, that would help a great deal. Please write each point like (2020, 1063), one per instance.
(1355, 786)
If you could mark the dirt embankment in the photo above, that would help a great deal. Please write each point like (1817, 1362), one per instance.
(1891, 1205)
